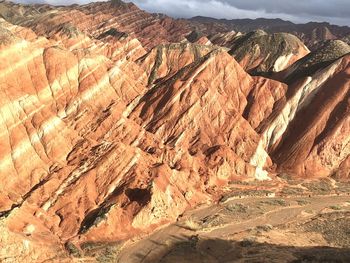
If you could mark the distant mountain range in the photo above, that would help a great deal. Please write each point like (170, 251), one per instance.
(311, 33)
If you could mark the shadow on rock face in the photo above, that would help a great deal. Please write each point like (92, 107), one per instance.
(141, 196)
(193, 250)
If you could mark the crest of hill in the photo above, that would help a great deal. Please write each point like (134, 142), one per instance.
(322, 57)
(260, 53)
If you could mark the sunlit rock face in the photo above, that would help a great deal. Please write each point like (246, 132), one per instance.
(316, 140)
(108, 129)
(312, 121)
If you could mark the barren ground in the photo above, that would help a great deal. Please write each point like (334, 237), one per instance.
(301, 222)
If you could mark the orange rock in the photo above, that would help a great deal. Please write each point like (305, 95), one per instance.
(105, 134)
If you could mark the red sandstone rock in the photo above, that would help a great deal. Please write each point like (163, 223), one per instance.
(105, 134)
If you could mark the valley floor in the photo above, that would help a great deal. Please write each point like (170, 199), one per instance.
(291, 228)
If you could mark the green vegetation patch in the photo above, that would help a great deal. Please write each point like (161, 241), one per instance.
(321, 187)
(274, 202)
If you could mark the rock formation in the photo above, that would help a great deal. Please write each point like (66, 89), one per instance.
(322, 57)
(262, 53)
(109, 130)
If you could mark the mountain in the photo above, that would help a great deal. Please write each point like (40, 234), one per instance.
(310, 33)
(322, 57)
(115, 122)
(261, 53)
(96, 19)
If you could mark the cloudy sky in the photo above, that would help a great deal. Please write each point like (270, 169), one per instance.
(300, 11)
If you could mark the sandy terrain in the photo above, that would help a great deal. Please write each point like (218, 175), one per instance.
(306, 227)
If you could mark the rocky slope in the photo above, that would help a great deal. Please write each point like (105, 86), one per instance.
(109, 130)
(262, 53)
(322, 57)
(317, 143)
(97, 19)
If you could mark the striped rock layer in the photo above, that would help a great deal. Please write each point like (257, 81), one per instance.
(110, 129)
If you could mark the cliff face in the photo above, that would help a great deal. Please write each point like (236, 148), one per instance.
(108, 131)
